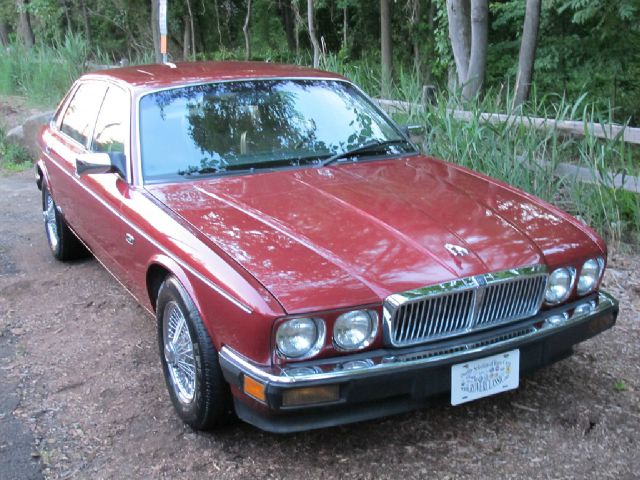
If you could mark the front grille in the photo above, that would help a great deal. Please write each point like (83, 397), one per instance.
(467, 346)
(464, 306)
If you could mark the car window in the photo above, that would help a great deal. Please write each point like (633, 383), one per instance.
(110, 132)
(80, 116)
(229, 126)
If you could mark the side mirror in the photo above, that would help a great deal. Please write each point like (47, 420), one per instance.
(93, 163)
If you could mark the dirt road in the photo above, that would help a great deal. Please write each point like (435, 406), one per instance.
(87, 373)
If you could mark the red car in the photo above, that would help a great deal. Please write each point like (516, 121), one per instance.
(306, 265)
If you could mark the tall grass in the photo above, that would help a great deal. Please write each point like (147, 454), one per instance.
(528, 158)
(44, 73)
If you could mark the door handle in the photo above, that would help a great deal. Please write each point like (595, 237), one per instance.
(129, 238)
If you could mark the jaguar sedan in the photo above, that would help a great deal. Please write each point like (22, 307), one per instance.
(307, 266)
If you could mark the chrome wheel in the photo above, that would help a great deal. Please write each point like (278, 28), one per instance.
(178, 353)
(51, 222)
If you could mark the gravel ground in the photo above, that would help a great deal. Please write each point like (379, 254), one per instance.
(88, 375)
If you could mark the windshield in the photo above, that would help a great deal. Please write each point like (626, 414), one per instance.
(238, 126)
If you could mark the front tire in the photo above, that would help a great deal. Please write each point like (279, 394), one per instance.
(62, 241)
(190, 365)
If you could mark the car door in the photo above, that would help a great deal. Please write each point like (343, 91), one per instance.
(109, 233)
(69, 135)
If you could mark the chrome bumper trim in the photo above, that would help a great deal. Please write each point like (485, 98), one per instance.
(327, 370)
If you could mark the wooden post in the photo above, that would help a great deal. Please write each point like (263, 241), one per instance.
(162, 20)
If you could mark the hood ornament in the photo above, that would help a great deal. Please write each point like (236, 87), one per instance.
(456, 250)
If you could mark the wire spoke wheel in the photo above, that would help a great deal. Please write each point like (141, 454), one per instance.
(50, 222)
(178, 353)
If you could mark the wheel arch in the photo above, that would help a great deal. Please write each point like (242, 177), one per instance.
(160, 267)
(41, 175)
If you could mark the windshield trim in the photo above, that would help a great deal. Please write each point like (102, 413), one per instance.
(141, 180)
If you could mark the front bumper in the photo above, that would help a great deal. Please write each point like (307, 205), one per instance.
(383, 382)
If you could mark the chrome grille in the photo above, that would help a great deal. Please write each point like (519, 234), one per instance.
(464, 306)
(505, 301)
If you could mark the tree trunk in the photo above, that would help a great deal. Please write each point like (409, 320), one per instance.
(67, 17)
(191, 29)
(215, 6)
(414, 23)
(85, 23)
(527, 51)
(298, 25)
(385, 44)
(460, 36)
(312, 34)
(345, 27)
(247, 33)
(186, 40)
(4, 34)
(155, 29)
(478, 58)
(286, 17)
(431, 44)
(24, 27)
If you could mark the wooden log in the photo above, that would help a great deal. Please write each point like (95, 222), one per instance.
(570, 127)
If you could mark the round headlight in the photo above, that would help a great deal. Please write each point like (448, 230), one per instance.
(300, 337)
(589, 276)
(355, 330)
(559, 285)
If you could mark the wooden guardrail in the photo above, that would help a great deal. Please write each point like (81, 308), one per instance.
(569, 127)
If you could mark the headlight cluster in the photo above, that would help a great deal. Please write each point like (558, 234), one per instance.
(304, 337)
(590, 274)
(561, 281)
(300, 337)
(355, 330)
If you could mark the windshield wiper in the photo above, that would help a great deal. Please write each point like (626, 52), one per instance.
(371, 146)
(215, 171)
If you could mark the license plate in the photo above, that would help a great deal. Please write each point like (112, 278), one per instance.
(484, 377)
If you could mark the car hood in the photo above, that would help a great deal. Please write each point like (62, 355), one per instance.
(351, 234)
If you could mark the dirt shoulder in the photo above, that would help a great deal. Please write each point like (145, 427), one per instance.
(91, 391)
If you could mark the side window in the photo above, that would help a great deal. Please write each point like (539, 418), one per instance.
(110, 132)
(80, 116)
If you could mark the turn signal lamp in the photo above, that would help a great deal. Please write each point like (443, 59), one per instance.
(254, 389)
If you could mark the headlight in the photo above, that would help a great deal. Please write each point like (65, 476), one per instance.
(589, 275)
(300, 337)
(559, 285)
(355, 330)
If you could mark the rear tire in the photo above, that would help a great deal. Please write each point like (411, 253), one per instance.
(62, 241)
(190, 364)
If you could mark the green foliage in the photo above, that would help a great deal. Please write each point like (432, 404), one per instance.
(583, 46)
(528, 159)
(620, 386)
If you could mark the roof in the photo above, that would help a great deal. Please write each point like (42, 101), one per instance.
(168, 75)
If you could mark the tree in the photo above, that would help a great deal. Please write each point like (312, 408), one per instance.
(385, 47)
(286, 17)
(247, 33)
(155, 29)
(24, 28)
(468, 32)
(190, 29)
(527, 55)
(312, 34)
(4, 33)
